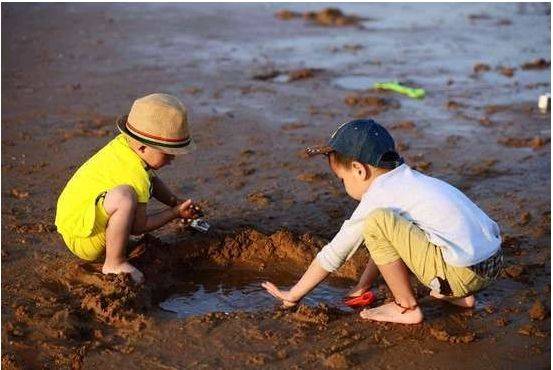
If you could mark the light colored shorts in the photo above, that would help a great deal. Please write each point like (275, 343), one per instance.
(93, 246)
(390, 237)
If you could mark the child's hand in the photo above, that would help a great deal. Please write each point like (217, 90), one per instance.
(287, 304)
(357, 291)
(188, 210)
(285, 296)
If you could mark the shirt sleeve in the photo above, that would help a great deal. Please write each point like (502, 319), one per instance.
(346, 242)
(343, 246)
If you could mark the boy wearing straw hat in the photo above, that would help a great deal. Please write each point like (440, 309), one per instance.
(105, 200)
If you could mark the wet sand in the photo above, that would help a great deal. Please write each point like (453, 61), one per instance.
(260, 87)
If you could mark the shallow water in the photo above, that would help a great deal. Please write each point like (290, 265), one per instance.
(395, 43)
(356, 82)
(231, 291)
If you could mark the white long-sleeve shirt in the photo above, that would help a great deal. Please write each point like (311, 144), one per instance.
(450, 220)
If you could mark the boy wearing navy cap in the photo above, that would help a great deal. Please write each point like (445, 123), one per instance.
(408, 221)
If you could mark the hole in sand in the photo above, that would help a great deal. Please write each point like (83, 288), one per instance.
(204, 273)
(216, 290)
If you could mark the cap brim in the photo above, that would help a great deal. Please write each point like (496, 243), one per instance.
(122, 127)
(312, 151)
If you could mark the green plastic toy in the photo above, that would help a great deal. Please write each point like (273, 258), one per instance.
(397, 87)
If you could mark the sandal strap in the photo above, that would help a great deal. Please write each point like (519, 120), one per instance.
(405, 309)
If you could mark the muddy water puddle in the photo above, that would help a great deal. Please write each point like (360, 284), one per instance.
(232, 291)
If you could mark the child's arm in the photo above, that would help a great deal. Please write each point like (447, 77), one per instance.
(144, 223)
(162, 192)
(314, 275)
(329, 259)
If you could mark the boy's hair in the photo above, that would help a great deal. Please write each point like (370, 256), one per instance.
(346, 160)
(341, 159)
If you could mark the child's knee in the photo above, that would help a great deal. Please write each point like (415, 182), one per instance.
(378, 222)
(379, 225)
(122, 197)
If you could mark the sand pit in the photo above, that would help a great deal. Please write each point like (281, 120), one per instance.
(237, 262)
(208, 276)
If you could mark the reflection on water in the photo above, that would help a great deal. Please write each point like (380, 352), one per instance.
(230, 291)
(356, 82)
(240, 290)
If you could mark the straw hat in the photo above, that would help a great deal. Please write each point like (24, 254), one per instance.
(159, 121)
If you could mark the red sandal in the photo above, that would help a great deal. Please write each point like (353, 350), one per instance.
(364, 299)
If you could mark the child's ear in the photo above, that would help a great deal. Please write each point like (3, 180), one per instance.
(360, 170)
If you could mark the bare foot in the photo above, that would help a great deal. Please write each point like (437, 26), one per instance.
(390, 312)
(467, 302)
(125, 267)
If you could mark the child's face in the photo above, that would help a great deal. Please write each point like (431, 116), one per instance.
(155, 158)
(356, 178)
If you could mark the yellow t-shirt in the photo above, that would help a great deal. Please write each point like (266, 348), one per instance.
(115, 164)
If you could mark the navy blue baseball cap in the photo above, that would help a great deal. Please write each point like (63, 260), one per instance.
(365, 141)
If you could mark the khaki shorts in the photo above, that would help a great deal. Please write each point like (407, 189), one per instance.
(93, 246)
(390, 237)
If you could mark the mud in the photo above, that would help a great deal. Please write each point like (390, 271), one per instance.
(443, 336)
(537, 311)
(328, 17)
(270, 211)
(535, 142)
(301, 74)
(536, 64)
(403, 125)
(370, 105)
(337, 361)
(481, 67)
(506, 71)
(265, 74)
